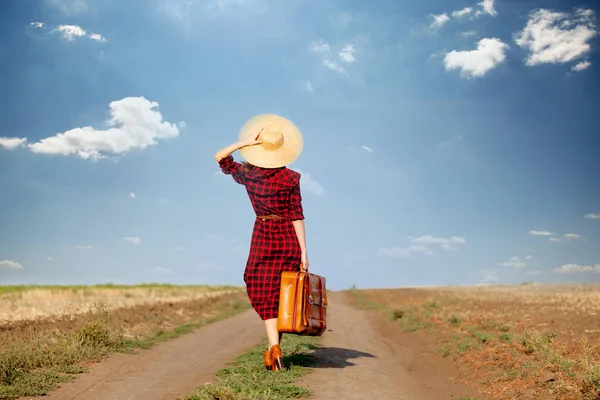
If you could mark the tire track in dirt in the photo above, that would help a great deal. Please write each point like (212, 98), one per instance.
(364, 357)
(170, 369)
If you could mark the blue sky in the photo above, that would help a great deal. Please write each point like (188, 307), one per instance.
(446, 142)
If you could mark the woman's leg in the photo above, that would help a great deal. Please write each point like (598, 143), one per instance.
(273, 335)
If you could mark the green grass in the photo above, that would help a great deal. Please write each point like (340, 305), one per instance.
(34, 365)
(247, 378)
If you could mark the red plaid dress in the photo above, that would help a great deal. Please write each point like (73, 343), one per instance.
(274, 247)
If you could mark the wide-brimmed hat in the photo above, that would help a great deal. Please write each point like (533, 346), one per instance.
(281, 141)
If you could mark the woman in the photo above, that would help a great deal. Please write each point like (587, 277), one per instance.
(268, 143)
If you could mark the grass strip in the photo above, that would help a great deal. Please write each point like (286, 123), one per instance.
(247, 378)
(33, 364)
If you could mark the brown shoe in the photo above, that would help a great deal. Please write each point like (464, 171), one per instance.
(277, 358)
(268, 360)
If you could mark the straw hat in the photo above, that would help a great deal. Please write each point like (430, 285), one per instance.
(281, 141)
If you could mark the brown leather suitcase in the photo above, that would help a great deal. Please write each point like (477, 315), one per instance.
(302, 304)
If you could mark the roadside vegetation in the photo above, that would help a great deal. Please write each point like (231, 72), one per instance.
(247, 378)
(36, 355)
(523, 343)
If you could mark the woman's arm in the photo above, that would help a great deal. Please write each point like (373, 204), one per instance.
(301, 235)
(251, 141)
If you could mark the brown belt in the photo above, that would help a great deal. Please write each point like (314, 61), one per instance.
(270, 217)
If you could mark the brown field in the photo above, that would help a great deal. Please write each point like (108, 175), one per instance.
(509, 342)
(25, 303)
(47, 335)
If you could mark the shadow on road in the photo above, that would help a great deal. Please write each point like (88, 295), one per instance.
(327, 357)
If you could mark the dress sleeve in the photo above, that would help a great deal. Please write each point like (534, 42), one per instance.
(296, 211)
(233, 168)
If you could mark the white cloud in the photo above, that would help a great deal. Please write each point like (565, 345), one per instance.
(332, 61)
(84, 247)
(37, 24)
(439, 20)
(591, 216)
(132, 195)
(318, 46)
(308, 184)
(307, 85)
(487, 8)
(488, 276)
(476, 63)
(11, 143)
(555, 240)
(335, 67)
(49, 258)
(575, 268)
(367, 148)
(529, 257)
(540, 233)
(135, 124)
(10, 264)
(347, 54)
(132, 239)
(430, 240)
(463, 12)
(97, 37)
(557, 37)
(70, 32)
(570, 236)
(161, 270)
(581, 66)
(514, 262)
(469, 33)
(399, 252)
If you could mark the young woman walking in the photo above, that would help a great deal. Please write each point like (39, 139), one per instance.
(269, 143)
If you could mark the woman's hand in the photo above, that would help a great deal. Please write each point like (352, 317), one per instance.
(253, 139)
(304, 261)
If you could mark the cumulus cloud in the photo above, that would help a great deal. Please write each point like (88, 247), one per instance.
(10, 264)
(11, 143)
(583, 65)
(461, 13)
(132, 239)
(331, 60)
(309, 185)
(514, 262)
(37, 24)
(367, 148)
(591, 216)
(552, 37)
(539, 233)
(439, 20)
(347, 53)
(431, 240)
(576, 268)
(135, 123)
(487, 7)
(476, 63)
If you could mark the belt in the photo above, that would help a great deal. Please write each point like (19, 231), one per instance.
(270, 217)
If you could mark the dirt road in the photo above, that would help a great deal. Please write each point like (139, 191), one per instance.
(170, 369)
(363, 357)
(366, 357)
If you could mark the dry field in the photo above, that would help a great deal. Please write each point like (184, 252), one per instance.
(509, 342)
(49, 334)
(33, 302)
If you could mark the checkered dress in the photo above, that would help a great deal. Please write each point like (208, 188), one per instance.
(274, 247)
